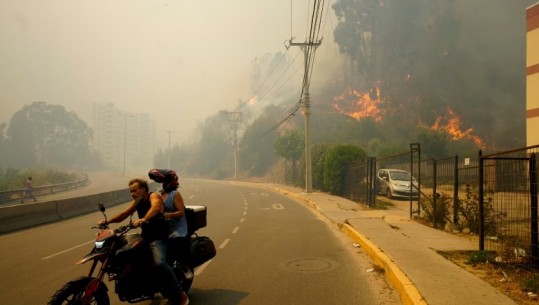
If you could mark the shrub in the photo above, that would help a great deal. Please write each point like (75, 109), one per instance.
(336, 159)
(437, 215)
(318, 154)
(469, 210)
(479, 257)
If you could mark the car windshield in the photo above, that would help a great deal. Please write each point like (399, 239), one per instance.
(404, 176)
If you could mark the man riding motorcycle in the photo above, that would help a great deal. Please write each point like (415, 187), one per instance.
(150, 208)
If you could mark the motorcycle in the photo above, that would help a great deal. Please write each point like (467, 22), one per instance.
(125, 259)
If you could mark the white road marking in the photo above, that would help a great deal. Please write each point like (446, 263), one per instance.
(191, 197)
(67, 250)
(244, 213)
(278, 206)
(235, 230)
(242, 220)
(199, 269)
(224, 243)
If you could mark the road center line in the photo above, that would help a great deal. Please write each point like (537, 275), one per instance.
(235, 230)
(224, 243)
(67, 250)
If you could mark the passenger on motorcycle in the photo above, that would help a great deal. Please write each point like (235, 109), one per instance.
(150, 208)
(174, 214)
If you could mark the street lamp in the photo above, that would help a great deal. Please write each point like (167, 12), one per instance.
(169, 132)
(125, 140)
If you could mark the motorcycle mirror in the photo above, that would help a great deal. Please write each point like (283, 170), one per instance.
(102, 207)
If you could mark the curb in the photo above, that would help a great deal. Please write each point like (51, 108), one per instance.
(406, 289)
(408, 292)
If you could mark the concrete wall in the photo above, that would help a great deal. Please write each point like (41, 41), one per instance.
(17, 217)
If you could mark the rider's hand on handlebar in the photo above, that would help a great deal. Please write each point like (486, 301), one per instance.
(101, 223)
(139, 222)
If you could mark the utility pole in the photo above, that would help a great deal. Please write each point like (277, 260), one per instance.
(125, 142)
(306, 104)
(234, 117)
(169, 132)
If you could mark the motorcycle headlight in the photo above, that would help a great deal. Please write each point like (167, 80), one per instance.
(99, 244)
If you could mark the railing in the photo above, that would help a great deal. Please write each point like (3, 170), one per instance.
(14, 195)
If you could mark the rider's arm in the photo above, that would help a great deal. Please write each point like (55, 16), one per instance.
(157, 206)
(179, 205)
(122, 215)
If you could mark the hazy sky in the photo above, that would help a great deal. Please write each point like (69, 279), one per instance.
(180, 61)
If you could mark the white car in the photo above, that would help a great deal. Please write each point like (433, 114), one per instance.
(395, 183)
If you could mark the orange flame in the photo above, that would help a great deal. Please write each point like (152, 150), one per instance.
(252, 101)
(452, 127)
(353, 100)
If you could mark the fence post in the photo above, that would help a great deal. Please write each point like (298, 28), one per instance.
(456, 200)
(533, 198)
(434, 194)
(371, 174)
(415, 147)
(481, 208)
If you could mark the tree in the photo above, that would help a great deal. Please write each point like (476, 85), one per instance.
(256, 153)
(318, 156)
(213, 148)
(291, 146)
(179, 155)
(428, 56)
(335, 165)
(41, 133)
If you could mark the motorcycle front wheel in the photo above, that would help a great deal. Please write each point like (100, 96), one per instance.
(73, 292)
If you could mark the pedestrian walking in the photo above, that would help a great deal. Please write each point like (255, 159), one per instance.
(28, 190)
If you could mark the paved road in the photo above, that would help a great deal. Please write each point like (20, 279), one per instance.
(271, 249)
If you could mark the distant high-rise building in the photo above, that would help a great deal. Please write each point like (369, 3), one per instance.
(124, 140)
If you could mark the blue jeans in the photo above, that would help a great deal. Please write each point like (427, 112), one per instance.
(166, 275)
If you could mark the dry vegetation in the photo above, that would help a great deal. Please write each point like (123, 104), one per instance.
(519, 282)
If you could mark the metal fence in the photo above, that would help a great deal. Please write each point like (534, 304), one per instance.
(494, 196)
(508, 198)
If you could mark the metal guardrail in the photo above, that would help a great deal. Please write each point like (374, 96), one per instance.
(14, 195)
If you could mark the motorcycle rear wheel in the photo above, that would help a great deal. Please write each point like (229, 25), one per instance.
(73, 292)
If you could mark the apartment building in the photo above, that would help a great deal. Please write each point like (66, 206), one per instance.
(126, 141)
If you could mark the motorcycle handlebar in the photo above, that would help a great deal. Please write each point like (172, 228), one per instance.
(124, 229)
(119, 230)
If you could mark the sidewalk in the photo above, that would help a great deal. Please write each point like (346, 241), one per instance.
(406, 250)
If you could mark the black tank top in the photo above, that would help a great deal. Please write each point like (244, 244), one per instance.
(154, 228)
